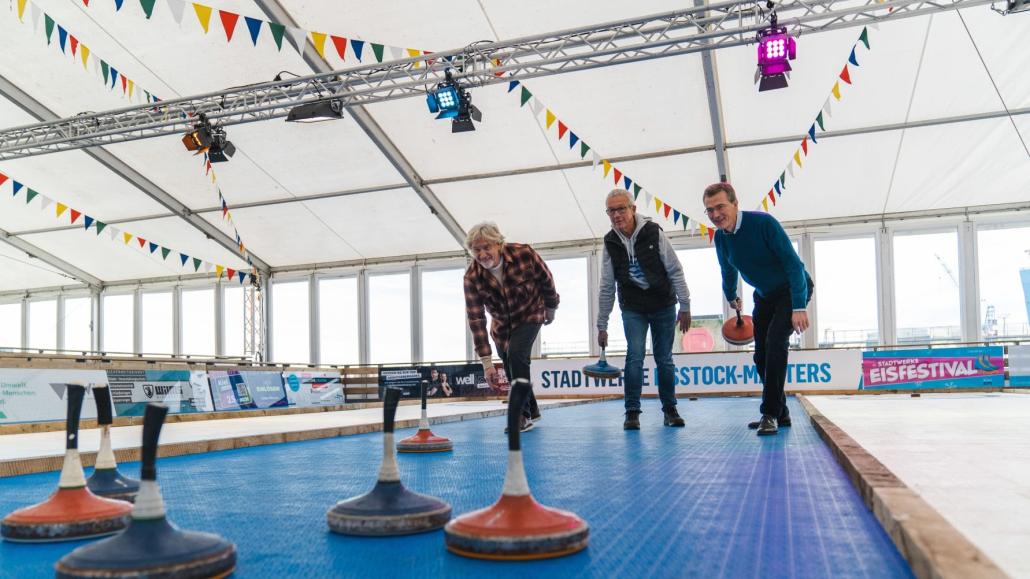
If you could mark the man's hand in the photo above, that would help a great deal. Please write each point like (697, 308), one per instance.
(737, 304)
(548, 316)
(800, 321)
(491, 375)
(602, 338)
(684, 320)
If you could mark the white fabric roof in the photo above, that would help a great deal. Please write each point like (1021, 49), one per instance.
(640, 109)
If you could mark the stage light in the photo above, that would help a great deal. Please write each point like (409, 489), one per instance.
(316, 112)
(775, 48)
(449, 100)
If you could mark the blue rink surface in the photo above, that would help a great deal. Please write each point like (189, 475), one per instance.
(708, 500)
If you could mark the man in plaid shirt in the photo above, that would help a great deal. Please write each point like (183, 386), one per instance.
(512, 283)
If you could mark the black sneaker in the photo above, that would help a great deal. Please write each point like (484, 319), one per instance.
(781, 422)
(767, 426)
(632, 420)
(673, 418)
(525, 425)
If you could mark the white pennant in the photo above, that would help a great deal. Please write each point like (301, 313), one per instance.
(537, 107)
(397, 53)
(790, 169)
(828, 108)
(35, 16)
(649, 198)
(177, 6)
(758, 75)
(207, 266)
(299, 38)
(874, 25)
(44, 202)
(113, 232)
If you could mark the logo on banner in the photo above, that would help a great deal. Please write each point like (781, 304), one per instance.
(148, 390)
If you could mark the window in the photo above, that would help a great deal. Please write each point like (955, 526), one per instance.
(568, 334)
(10, 326)
(704, 280)
(338, 322)
(198, 322)
(926, 287)
(290, 335)
(118, 322)
(43, 325)
(233, 313)
(157, 323)
(847, 307)
(443, 316)
(389, 315)
(78, 321)
(1004, 256)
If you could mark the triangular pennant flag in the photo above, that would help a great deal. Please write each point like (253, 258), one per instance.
(254, 27)
(804, 144)
(667, 209)
(114, 76)
(626, 182)
(88, 221)
(828, 108)
(783, 179)
(100, 226)
(550, 121)
(229, 20)
(36, 13)
(583, 148)
(864, 37)
(148, 7)
(790, 169)
(819, 119)
(852, 58)
(177, 7)
(765, 204)
(196, 264)
(21, 10)
(15, 187)
(184, 258)
(378, 51)
(242, 276)
(776, 186)
(277, 33)
(711, 234)
(618, 175)
(299, 37)
(74, 43)
(675, 216)
(414, 53)
(164, 252)
(230, 272)
(29, 195)
(142, 242)
(836, 90)
(126, 237)
(318, 39)
(844, 75)
(525, 96)
(124, 83)
(512, 85)
(607, 167)
(657, 205)
(356, 46)
(595, 159)
(44, 202)
(103, 67)
(84, 53)
(61, 208)
(340, 43)
(537, 107)
(48, 23)
(62, 37)
(3, 178)
(132, 86)
(203, 15)
(562, 129)
(811, 134)
(704, 230)
(636, 191)
(797, 158)
(152, 247)
(75, 215)
(113, 232)
(218, 270)
(573, 139)
(118, 5)
(396, 52)
(647, 199)
(772, 197)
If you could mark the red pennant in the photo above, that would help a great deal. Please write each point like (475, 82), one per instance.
(711, 234)
(844, 75)
(230, 271)
(75, 43)
(207, 167)
(618, 175)
(430, 61)
(341, 46)
(75, 215)
(86, 2)
(125, 86)
(804, 145)
(141, 241)
(668, 208)
(561, 130)
(772, 196)
(3, 178)
(228, 23)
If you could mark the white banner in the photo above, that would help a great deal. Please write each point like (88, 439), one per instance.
(697, 373)
(313, 388)
(39, 395)
(1019, 365)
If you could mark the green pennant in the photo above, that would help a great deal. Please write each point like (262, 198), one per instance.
(378, 50)
(864, 37)
(636, 191)
(277, 33)
(196, 264)
(525, 96)
(30, 195)
(100, 226)
(148, 6)
(783, 179)
(103, 67)
(164, 252)
(819, 119)
(49, 27)
(583, 148)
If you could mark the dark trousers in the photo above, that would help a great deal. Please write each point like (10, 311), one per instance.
(772, 319)
(516, 361)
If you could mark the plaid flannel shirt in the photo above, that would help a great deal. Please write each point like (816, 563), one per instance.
(527, 292)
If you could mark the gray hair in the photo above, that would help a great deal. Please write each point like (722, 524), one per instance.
(486, 230)
(619, 193)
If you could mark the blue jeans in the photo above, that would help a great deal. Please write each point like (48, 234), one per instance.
(663, 329)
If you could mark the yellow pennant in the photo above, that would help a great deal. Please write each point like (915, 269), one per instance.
(836, 90)
(127, 237)
(219, 269)
(607, 167)
(61, 208)
(131, 86)
(21, 10)
(797, 157)
(704, 230)
(84, 53)
(414, 53)
(765, 204)
(318, 39)
(203, 14)
(550, 118)
(657, 205)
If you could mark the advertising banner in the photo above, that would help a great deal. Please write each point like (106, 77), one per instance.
(28, 395)
(235, 390)
(967, 367)
(701, 373)
(182, 391)
(313, 388)
(1019, 365)
(450, 381)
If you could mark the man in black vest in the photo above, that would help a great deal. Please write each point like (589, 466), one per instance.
(641, 263)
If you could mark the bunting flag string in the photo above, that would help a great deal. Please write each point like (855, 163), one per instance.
(71, 46)
(92, 224)
(226, 213)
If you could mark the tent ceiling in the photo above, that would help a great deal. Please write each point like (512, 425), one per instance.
(651, 109)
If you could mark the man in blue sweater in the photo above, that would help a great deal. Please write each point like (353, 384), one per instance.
(754, 244)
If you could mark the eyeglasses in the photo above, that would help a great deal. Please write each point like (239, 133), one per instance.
(716, 209)
(617, 210)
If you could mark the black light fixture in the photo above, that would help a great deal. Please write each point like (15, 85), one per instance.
(221, 148)
(198, 139)
(452, 101)
(775, 48)
(205, 138)
(316, 111)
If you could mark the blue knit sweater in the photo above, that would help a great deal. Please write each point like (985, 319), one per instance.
(761, 251)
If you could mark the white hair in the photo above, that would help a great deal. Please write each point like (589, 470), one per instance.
(487, 231)
(619, 193)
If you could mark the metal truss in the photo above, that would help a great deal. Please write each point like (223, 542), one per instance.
(719, 25)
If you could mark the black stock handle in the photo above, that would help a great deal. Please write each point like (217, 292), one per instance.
(393, 396)
(102, 394)
(740, 320)
(423, 386)
(516, 401)
(76, 394)
(153, 419)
